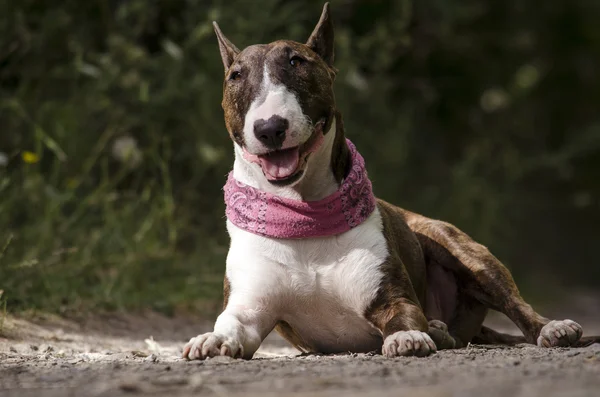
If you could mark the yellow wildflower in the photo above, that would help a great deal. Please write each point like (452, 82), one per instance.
(30, 157)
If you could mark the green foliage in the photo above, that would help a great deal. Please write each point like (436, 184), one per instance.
(2, 311)
(113, 149)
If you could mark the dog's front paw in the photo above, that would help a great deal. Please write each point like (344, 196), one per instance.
(560, 333)
(211, 345)
(408, 343)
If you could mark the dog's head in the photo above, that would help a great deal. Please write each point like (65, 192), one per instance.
(278, 100)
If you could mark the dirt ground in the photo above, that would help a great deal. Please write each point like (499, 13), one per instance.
(120, 355)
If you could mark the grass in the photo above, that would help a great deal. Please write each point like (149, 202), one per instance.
(3, 311)
(100, 239)
(110, 164)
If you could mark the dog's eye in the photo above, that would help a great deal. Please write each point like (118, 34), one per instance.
(296, 61)
(235, 75)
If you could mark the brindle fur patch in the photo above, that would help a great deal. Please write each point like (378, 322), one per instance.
(340, 153)
(288, 333)
(397, 306)
(482, 279)
(226, 291)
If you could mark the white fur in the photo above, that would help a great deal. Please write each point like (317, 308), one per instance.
(276, 99)
(321, 287)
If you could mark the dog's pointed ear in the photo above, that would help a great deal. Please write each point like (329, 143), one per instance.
(227, 48)
(321, 39)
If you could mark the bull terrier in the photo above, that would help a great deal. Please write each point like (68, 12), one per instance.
(314, 255)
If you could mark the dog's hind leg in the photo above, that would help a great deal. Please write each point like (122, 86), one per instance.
(455, 316)
(488, 336)
(467, 320)
(486, 280)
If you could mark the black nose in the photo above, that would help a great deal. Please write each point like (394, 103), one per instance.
(271, 132)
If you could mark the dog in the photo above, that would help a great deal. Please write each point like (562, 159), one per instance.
(315, 255)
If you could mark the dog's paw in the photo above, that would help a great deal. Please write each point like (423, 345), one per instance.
(439, 325)
(438, 331)
(408, 343)
(211, 345)
(560, 333)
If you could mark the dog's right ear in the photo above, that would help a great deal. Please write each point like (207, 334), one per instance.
(228, 50)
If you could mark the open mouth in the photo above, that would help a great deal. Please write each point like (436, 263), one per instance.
(285, 166)
(280, 164)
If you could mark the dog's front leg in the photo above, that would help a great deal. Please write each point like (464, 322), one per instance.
(238, 333)
(403, 326)
(405, 333)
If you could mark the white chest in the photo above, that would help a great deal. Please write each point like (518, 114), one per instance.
(321, 287)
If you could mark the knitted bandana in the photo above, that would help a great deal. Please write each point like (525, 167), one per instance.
(272, 216)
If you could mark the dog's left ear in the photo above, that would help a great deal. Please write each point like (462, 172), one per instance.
(321, 39)
(228, 50)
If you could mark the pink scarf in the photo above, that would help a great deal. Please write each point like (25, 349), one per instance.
(272, 216)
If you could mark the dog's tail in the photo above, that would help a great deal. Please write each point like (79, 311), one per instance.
(587, 341)
(488, 336)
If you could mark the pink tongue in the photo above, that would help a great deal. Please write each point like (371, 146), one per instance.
(280, 164)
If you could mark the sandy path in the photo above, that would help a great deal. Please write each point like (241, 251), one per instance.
(54, 357)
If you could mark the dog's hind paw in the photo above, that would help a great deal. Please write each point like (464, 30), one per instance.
(211, 345)
(560, 333)
(408, 343)
(438, 331)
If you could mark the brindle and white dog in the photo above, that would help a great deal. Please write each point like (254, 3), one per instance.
(399, 282)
